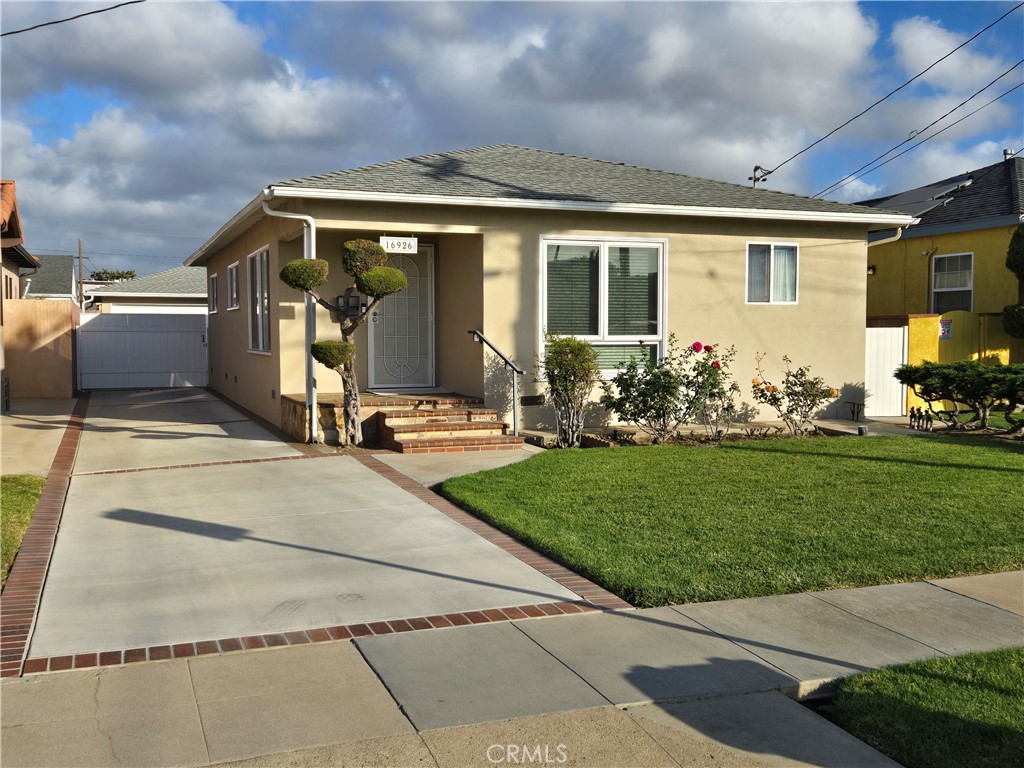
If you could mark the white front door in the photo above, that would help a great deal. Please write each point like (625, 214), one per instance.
(401, 336)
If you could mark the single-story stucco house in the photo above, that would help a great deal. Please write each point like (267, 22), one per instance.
(513, 241)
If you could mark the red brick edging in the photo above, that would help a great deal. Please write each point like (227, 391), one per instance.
(25, 584)
(586, 589)
(302, 637)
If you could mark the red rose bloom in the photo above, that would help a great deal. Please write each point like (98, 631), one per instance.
(708, 349)
(715, 364)
(697, 346)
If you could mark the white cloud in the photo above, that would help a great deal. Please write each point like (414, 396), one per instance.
(921, 41)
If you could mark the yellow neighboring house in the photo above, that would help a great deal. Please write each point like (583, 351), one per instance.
(945, 278)
(509, 242)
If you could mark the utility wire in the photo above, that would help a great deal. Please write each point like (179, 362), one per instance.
(915, 134)
(767, 172)
(71, 18)
(65, 251)
(928, 138)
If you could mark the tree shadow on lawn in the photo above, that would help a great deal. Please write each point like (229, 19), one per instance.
(787, 447)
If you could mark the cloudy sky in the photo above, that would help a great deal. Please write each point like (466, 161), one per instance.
(143, 129)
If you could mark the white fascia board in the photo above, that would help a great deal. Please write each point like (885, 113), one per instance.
(252, 207)
(886, 219)
(141, 294)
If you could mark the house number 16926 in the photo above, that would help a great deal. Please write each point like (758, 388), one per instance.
(398, 244)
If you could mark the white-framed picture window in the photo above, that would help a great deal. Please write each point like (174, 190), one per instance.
(610, 293)
(233, 286)
(258, 265)
(952, 283)
(211, 296)
(772, 273)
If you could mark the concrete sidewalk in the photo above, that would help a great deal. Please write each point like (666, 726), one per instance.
(699, 684)
(30, 434)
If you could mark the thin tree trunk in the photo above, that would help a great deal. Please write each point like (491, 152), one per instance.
(353, 420)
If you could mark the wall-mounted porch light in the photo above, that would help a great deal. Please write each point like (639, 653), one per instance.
(871, 269)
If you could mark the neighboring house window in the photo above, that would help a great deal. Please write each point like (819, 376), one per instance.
(259, 301)
(952, 283)
(771, 273)
(212, 298)
(608, 293)
(233, 286)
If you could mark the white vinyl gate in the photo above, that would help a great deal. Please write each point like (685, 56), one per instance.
(886, 351)
(129, 351)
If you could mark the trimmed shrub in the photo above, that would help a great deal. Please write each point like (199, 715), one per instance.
(570, 369)
(967, 383)
(1013, 320)
(333, 354)
(360, 256)
(381, 281)
(305, 274)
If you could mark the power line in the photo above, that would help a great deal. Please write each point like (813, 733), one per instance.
(765, 172)
(915, 134)
(71, 18)
(929, 138)
(63, 251)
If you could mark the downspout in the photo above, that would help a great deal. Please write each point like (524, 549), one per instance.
(308, 252)
(893, 239)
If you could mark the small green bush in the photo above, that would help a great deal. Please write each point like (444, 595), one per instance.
(967, 383)
(797, 399)
(305, 274)
(333, 354)
(360, 256)
(570, 370)
(381, 281)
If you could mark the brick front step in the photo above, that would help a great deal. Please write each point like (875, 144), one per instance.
(440, 415)
(445, 429)
(459, 445)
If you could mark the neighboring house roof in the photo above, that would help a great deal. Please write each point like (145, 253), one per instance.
(506, 175)
(11, 233)
(987, 197)
(180, 281)
(56, 277)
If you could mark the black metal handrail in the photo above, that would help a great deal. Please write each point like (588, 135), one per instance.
(479, 338)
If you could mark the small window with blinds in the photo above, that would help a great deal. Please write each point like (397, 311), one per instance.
(608, 293)
(952, 283)
(771, 273)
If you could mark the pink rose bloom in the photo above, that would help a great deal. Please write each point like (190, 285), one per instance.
(697, 346)
(715, 364)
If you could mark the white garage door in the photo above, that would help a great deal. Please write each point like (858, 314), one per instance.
(132, 351)
(886, 351)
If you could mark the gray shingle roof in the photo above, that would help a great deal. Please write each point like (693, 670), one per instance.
(184, 281)
(995, 191)
(521, 173)
(56, 277)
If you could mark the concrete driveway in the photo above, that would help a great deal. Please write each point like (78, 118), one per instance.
(151, 552)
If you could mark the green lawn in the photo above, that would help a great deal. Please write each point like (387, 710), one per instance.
(18, 497)
(672, 524)
(958, 712)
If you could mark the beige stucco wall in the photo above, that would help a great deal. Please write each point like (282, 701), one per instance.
(487, 277)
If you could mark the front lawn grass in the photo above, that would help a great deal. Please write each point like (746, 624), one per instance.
(957, 712)
(672, 524)
(18, 497)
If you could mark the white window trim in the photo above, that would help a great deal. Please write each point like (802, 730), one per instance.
(211, 299)
(771, 285)
(249, 261)
(931, 279)
(659, 341)
(238, 288)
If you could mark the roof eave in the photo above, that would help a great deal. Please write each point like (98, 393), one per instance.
(887, 219)
(255, 205)
(140, 294)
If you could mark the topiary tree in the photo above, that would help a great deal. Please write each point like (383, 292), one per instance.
(1013, 314)
(364, 260)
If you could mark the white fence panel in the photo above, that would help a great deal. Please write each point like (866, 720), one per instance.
(886, 351)
(130, 351)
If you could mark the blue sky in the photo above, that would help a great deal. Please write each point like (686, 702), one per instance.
(142, 130)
